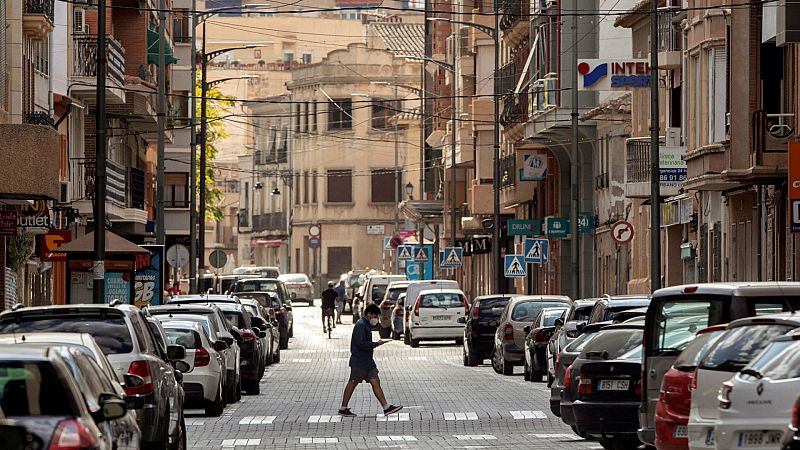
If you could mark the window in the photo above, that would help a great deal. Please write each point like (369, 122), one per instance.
(340, 114)
(288, 58)
(340, 186)
(181, 29)
(306, 112)
(297, 117)
(257, 54)
(180, 108)
(382, 110)
(340, 260)
(176, 190)
(736, 347)
(527, 311)
(382, 181)
(297, 188)
(314, 116)
(23, 397)
(305, 187)
(111, 332)
(306, 58)
(443, 300)
(717, 91)
(314, 186)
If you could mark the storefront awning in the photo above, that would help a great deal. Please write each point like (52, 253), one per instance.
(152, 47)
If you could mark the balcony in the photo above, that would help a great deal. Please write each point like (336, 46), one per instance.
(275, 222)
(637, 170)
(515, 110)
(125, 190)
(37, 21)
(669, 42)
(84, 69)
(514, 21)
(771, 133)
(29, 162)
(38, 118)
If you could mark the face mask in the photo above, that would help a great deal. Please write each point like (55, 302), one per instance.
(373, 322)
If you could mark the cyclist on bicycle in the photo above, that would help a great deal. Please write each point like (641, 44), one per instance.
(328, 304)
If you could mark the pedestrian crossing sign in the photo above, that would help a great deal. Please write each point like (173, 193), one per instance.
(421, 254)
(387, 243)
(537, 251)
(452, 257)
(515, 266)
(404, 252)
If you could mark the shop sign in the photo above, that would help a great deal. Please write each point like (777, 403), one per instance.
(8, 223)
(149, 278)
(118, 287)
(524, 227)
(48, 243)
(35, 215)
(534, 167)
(672, 168)
(613, 74)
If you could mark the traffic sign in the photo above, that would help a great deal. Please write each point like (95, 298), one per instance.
(314, 230)
(314, 242)
(586, 222)
(217, 259)
(795, 216)
(404, 252)
(524, 227)
(177, 255)
(557, 227)
(515, 266)
(537, 251)
(622, 232)
(387, 243)
(452, 257)
(421, 254)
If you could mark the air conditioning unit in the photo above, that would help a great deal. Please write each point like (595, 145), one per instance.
(65, 192)
(79, 25)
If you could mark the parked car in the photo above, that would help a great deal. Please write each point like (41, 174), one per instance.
(397, 321)
(412, 292)
(566, 330)
(791, 436)
(271, 327)
(211, 318)
(742, 340)
(565, 359)
(59, 394)
(375, 289)
(612, 308)
(537, 338)
(480, 327)
(203, 380)
(299, 286)
(392, 293)
(754, 405)
(610, 343)
(251, 356)
(674, 403)
(706, 305)
(278, 309)
(123, 334)
(509, 338)
(436, 315)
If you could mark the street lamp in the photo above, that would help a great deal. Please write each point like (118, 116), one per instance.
(494, 33)
(409, 190)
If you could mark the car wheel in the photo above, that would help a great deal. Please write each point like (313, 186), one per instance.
(214, 409)
(507, 367)
(607, 444)
(238, 388)
(526, 372)
(291, 330)
(284, 342)
(180, 439)
(626, 443)
(473, 359)
(270, 358)
(261, 369)
(385, 333)
(252, 388)
(277, 357)
(495, 364)
(414, 342)
(395, 335)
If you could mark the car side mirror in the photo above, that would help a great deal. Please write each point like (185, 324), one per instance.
(580, 326)
(527, 329)
(258, 322)
(236, 334)
(228, 340)
(176, 352)
(220, 345)
(180, 368)
(559, 322)
(262, 334)
(131, 381)
(111, 407)
(134, 401)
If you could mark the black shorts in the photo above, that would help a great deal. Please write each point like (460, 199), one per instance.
(361, 375)
(327, 311)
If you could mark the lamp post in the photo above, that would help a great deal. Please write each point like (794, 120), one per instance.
(495, 35)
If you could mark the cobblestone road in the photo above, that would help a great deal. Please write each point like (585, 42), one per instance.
(446, 405)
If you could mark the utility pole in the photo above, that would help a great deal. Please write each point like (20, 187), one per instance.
(396, 172)
(98, 266)
(574, 172)
(453, 143)
(499, 286)
(655, 179)
(201, 238)
(161, 107)
(193, 164)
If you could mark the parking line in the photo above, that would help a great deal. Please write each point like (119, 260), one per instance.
(399, 417)
(417, 358)
(569, 436)
(520, 415)
(396, 438)
(319, 440)
(475, 437)
(257, 420)
(324, 419)
(461, 416)
(240, 442)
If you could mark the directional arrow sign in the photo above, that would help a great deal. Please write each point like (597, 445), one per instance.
(622, 232)
(404, 252)
(537, 251)
(515, 266)
(453, 256)
(421, 254)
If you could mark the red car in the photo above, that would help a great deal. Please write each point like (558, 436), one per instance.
(675, 399)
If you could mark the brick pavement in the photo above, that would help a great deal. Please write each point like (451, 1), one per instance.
(446, 405)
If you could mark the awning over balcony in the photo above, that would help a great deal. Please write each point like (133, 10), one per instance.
(152, 47)
(423, 210)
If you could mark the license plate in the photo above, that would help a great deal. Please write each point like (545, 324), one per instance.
(441, 317)
(710, 437)
(680, 431)
(613, 385)
(759, 438)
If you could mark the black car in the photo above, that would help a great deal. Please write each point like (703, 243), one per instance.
(613, 308)
(565, 359)
(279, 308)
(566, 331)
(250, 368)
(610, 343)
(481, 324)
(537, 338)
(606, 402)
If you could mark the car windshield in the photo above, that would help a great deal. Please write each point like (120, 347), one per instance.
(293, 278)
(441, 300)
(527, 311)
(738, 346)
(32, 389)
(695, 350)
(613, 343)
(582, 313)
(492, 308)
(111, 332)
(549, 317)
(580, 342)
(378, 291)
(187, 338)
(200, 320)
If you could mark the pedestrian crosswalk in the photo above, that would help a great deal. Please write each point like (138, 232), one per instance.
(399, 417)
(461, 416)
(402, 438)
(520, 415)
(257, 420)
(379, 417)
(324, 419)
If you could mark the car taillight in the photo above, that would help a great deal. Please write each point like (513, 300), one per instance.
(142, 369)
(724, 396)
(416, 306)
(638, 389)
(475, 310)
(796, 414)
(72, 435)
(693, 384)
(508, 332)
(584, 386)
(408, 314)
(248, 336)
(201, 357)
(540, 336)
(466, 306)
(568, 378)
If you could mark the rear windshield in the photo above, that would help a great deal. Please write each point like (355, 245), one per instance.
(783, 364)
(442, 300)
(258, 286)
(692, 315)
(395, 292)
(200, 320)
(187, 338)
(111, 332)
(234, 318)
(492, 307)
(291, 278)
(613, 343)
(690, 357)
(378, 291)
(580, 342)
(527, 311)
(32, 389)
(738, 346)
(263, 272)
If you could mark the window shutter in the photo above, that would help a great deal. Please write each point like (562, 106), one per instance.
(340, 186)
(720, 93)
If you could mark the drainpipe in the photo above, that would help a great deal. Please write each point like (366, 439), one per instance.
(759, 226)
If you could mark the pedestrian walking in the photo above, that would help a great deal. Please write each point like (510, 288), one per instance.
(362, 364)
(339, 301)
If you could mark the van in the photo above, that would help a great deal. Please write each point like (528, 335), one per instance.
(375, 288)
(690, 308)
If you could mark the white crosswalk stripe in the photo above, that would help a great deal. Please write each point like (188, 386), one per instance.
(396, 438)
(319, 440)
(229, 443)
(324, 419)
(400, 417)
(475, 437)
(569, 436)
(519, 415)
(302, 360)
(417, 358)
(461, 416)
(257, 420)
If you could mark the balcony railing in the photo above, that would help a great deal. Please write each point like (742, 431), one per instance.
(506, 79)
(125, 186)
(669, 39)
(269, 222)
(513, 12)
(638, 161)
(515, 109)
(85, 58)
(508, 170)
(40, 7)
(38, 118)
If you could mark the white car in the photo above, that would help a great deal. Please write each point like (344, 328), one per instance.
(756, 404)
(743, 339)
(203, 381)
(435, 316)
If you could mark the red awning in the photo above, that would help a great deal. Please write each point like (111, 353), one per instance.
(266, 242)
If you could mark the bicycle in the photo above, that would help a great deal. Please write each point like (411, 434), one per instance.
(328, 314)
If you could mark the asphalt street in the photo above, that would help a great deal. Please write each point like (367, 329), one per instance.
(445, 405)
